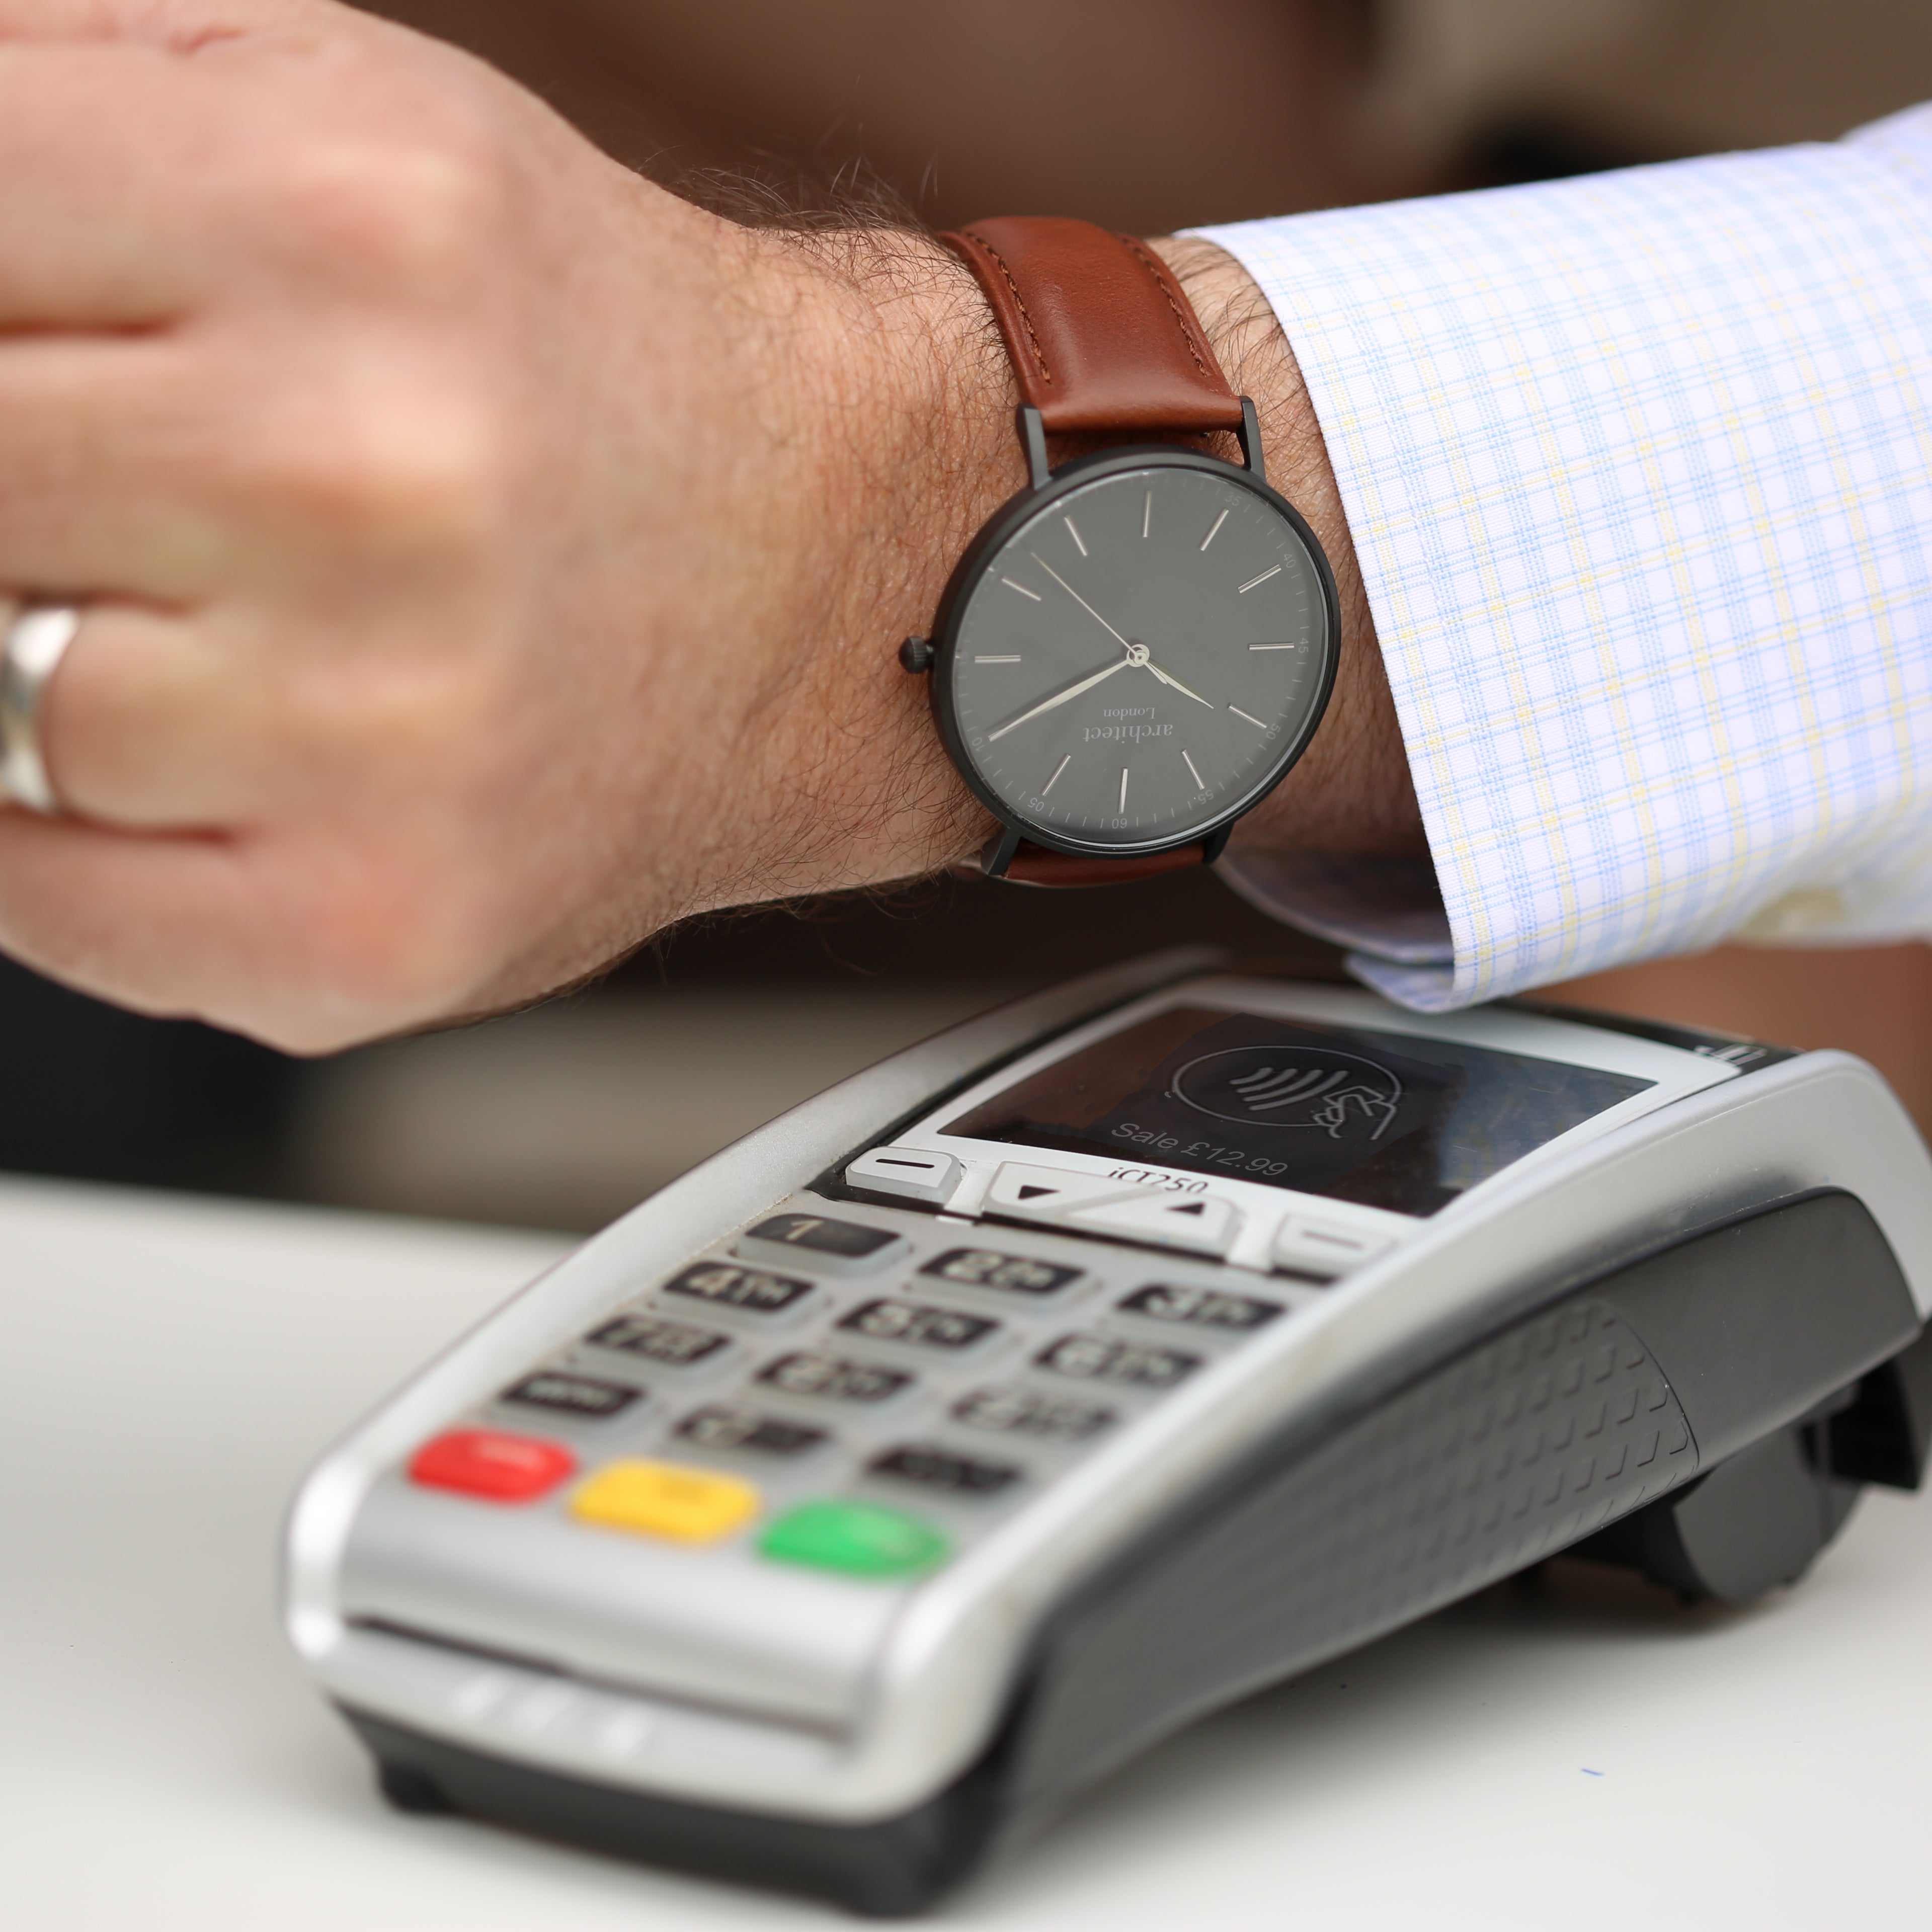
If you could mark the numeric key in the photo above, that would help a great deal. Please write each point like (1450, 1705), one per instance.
(730, 1426)
(676, 1345)
(942, 1469)
(1047, 1418)
(1123, 1364)
(749, 1290)
(833, 1377)
(1011, 1274)
(818, 1241)
(919, 1325)
(1211, 1308)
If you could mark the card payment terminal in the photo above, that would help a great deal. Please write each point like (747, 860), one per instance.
(833, 1518)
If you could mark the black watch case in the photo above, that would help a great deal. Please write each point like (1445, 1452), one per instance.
(1134, 651)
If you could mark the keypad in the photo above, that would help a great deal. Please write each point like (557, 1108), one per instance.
(833, 1377)
(941, 1469)
(750, 1290)
(1014, 1274)
(726, 1425)
(1048, 1418)
(878, 1385)
(918, 1325)
(1124, 1364)
(1212, 1308)
(673, 1345)
(585, 1395)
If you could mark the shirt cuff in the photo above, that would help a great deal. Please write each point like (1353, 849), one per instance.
(1387, 913)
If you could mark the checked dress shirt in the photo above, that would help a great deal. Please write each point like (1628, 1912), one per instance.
(1639, 469)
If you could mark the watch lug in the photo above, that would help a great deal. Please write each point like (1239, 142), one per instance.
(1215, 844)
(1250, 435)
(1033, 440)
(998, 853)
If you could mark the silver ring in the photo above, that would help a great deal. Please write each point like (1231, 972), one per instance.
(36, 639)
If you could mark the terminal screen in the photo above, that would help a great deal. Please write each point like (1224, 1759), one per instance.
(1388, 1120)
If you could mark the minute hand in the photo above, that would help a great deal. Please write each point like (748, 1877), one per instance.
(1060, 697)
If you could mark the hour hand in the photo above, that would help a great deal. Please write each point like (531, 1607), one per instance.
(1060, 697)
(1177, 684)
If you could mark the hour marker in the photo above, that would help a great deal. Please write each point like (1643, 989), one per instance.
(1198, 779)
(1274, 571)
(1123, 788)
(1147, 511)
(1075, 535)
(1014, 660)
(1253, 647)
(1057, 770)
(1021, 589)
(1239, 713)
(1215, 532)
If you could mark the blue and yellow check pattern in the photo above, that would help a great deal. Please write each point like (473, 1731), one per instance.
(1638, 468)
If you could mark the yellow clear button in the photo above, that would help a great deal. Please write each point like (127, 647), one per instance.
(665, 1499)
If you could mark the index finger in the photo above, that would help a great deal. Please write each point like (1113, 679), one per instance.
(110, 174)
(184, 26)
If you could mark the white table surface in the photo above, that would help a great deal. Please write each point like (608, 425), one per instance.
(1565, 1757)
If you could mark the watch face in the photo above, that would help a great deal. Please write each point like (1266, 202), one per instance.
(1135, 654)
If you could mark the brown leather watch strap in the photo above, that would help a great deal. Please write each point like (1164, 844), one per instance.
(1034, 865)
(1101, 336)
(1102, 339)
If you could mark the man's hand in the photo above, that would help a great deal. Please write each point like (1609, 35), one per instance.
(486, 558)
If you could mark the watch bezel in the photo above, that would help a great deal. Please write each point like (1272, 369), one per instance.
(1021, 509)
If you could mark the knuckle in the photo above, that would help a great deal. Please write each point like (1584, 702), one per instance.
(404, 212)
(394, 467)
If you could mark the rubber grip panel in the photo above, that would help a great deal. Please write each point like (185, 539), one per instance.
(1567, 1420)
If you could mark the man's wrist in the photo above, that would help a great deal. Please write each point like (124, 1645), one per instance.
(902, 429)
(906, 413)
(1350, 794)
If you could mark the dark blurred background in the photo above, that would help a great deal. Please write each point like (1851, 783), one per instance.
(1148, 114)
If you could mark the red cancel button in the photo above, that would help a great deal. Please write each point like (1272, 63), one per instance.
(486, 1463)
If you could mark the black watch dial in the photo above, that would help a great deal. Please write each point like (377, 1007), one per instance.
(1137, 655)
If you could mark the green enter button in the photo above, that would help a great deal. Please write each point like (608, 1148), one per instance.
(859, 1538)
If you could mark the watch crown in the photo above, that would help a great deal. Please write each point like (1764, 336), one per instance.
(915, 656)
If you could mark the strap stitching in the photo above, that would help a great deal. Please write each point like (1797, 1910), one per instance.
(1019, 302)
(1155, 269)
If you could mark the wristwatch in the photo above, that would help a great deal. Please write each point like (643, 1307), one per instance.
(1137, 647)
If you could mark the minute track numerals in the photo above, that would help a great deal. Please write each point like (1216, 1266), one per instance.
(1137, 654)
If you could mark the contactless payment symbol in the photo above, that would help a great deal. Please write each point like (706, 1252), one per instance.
(1341, 1094)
